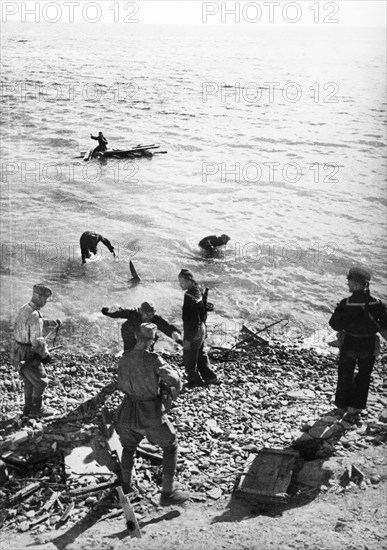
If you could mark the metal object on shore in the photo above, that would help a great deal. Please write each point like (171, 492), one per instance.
(253, 337)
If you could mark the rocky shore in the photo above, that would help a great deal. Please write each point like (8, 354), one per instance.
(271, 396)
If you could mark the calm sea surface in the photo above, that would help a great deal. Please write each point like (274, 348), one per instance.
(292, 171)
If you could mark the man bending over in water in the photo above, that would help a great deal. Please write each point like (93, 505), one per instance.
(89, 241)
(210, 243)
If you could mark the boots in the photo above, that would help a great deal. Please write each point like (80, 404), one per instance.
(171, 493)
(27, 405)
(38, 409)
(174, 496)
(126, 481)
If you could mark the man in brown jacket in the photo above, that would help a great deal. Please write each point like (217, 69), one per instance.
(142, 412)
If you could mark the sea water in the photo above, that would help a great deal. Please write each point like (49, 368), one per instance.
(274, 136)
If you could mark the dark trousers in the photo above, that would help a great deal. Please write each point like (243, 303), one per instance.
(195, 358)
(35, 382)
(352, 389)
(88, 245)
(99, 149)
(162, 434)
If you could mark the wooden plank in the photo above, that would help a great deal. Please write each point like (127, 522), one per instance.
(24, 493)
(116, 451)
(40, 519)
(67, 513)
(51, 501)
(130, 517)
(92, 488)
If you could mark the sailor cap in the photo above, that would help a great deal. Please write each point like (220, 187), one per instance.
(359, 274)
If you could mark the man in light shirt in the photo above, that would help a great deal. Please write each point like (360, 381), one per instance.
(30, 351)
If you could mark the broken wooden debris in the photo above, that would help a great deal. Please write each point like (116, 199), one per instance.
(154, 457)
(24, 493)
(67, 513)
(93, 488)
(40, 519)
(51, 501)
(351, 474)
(130, 517)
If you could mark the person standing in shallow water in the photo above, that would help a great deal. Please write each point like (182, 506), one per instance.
(212, 242)
(89, 241)
(196, 361)
(358, 319)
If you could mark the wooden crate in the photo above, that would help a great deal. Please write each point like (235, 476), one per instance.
(267, 476)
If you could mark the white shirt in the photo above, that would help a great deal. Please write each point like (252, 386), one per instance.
(28, 325)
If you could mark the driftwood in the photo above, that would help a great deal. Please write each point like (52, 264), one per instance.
(24, 493)
(154, 457)
(93, 488)
(130, 517)
(50, 503)
(40, 519)
(67, 513)
(116, 451)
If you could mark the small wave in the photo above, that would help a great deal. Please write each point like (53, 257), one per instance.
(309, 143)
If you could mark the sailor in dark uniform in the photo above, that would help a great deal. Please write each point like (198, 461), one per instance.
(210, 243)
(102, 143)
(358, 319)
(89, 241)
(195, 308)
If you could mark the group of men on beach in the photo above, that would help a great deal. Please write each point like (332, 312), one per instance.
(150, 384)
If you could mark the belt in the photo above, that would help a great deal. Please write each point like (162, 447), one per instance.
(23, 343)
(134, 398)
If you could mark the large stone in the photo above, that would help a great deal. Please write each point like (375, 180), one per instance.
(325, 432)
(383, 416)
(301, 395)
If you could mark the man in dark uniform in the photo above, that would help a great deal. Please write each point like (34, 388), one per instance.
(358, 319)
(89, 241)
(196, 361)
(212, 241)
(146, 313)
(142, 412)
(102, 143)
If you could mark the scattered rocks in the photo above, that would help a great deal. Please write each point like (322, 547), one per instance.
(267, 394)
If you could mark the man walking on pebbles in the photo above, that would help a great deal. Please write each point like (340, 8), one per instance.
(30, 352)
(358, 318)
(143, 376)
